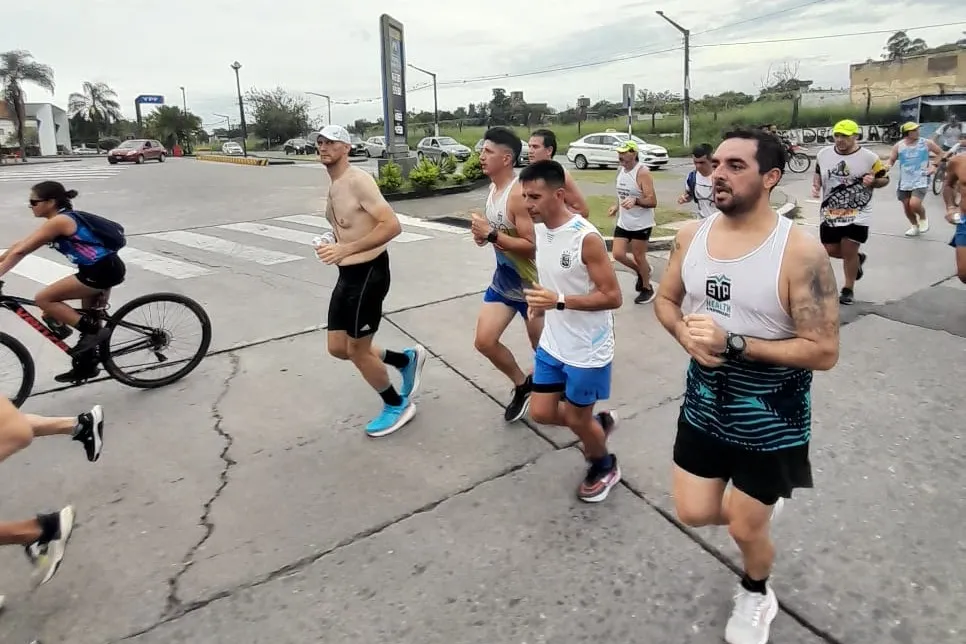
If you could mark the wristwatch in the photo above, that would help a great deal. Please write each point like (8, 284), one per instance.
(734, 345)
(561, 301)
(492, 237)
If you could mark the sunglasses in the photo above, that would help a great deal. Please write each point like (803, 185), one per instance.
(34, 202)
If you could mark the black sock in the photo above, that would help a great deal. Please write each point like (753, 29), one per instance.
(49, 527)
(395, 359)
(754, 586)
(606, 463)
(527, 383)
(390, 396)
(87, 326)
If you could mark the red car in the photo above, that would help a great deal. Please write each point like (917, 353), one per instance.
(138, 150)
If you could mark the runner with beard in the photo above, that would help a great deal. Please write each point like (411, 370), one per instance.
(845, 176)
(753, 300)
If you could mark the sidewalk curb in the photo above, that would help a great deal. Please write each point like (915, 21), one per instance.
(236, 160)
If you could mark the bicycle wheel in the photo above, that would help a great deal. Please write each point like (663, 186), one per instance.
(799, 162)
(938, 178)
(153, 340)
(22, 368)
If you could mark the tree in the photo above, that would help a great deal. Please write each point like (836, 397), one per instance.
(16, 68)
(97, 103)
(170, 125)
(653, 102)
(278, 115)
(900, 46)
(499, 107)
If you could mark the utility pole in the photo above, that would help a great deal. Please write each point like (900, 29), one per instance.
(328, 102)
(686, 134)
(435, 101)
(241, 108)
(184, 101)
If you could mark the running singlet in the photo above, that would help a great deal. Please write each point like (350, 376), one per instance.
(754, 405)
(83, 247)
(703, 194)
(636, 218)
(513, 273)
(583, 339)
(913, 165)
(849, 201)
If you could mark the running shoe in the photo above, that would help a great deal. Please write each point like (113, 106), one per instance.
(751, 618)
(646, 295)
(90, 432)
(862, 258)
(598, 482)
(520, 402)
(392, 418)
(412, 372)
(46, 556)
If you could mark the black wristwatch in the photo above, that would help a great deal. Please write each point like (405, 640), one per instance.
(561, 301)
(734, 345)
(492, 237)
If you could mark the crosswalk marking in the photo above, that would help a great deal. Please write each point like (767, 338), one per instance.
(261, 256)
(274, 232)
(322, 222)
(162, 265)
(41, 269)
(63, 171)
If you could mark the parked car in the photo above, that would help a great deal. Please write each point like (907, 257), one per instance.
(231, 148)
(138, 151)
(376, 146)
(84, 150)
(600, 149)
(357, 146)
(299, 146)
(437, 148)
(524, 157)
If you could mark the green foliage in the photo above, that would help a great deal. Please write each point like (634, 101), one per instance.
(472, 169)
(390, 178)
(448, 165)
(170, 125)
(276, 114)
(425, 175)
(458, 178)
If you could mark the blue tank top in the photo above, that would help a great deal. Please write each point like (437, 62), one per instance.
(913, 165)
(83, 247)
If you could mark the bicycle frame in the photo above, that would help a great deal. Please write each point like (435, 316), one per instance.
(16, 306)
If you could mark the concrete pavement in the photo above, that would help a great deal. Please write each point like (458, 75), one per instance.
(244, 504)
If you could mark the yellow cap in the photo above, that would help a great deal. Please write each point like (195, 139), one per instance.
(847, 127)
(909, 126)
(630, 145)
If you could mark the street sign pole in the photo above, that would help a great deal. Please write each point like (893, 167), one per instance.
(629, 105)
(394, 86)
(150, 99)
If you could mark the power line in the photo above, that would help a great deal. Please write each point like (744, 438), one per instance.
(771, 41)
(756, 18)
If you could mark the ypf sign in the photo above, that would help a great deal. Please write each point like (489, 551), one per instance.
(146, 99)
(394, 85)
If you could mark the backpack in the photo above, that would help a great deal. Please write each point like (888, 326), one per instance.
(690, 183)
(109, 233)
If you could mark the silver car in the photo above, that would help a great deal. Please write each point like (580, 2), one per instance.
(437, 148)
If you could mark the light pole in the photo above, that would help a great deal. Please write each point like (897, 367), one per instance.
(241, 108)
(184, 101)
(328, 101)
(687, 77)
(435, 102)
(228, 119)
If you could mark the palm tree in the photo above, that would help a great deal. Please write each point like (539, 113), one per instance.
(97, 104)
(170, 125)
(16, 68)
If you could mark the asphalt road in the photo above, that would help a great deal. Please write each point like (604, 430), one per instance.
(244, 504)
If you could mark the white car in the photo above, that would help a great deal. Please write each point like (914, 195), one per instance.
(524, 157)
(600, 149)
(376, 146)
(232, 148)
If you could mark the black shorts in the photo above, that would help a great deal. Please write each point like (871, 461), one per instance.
(356, 303)
(643, 235)
(835, 234)
(764, 476)
(103, 274)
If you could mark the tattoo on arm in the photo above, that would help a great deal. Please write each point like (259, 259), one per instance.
(815, 304)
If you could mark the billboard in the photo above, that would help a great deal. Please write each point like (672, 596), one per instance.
(394, 84)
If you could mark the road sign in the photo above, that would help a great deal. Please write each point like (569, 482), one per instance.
(628, 101)
(394, 84)
(152, 99)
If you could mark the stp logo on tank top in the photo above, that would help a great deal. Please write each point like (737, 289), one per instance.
(717, 290)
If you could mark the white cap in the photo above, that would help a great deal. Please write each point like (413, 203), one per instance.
(335, 133)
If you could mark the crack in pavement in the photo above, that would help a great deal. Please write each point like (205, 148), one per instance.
(173, 603)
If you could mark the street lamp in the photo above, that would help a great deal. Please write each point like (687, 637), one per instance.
(184, 101)
(328, 101)
(241, 108)
(435, 102)
(227, 118)
(687, 77)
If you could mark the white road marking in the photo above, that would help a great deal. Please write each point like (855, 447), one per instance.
(162, 265)
(273, 232)
(322, 222)
(431, 225)
(41, 270)
(62, 171)
(224, 247)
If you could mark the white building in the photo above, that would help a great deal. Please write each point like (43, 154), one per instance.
(51, 123)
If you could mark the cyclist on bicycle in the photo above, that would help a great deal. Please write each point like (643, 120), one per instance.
(75, 235)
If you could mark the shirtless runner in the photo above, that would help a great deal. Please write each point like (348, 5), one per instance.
(364, 224)
(953, 188)
(543, 147)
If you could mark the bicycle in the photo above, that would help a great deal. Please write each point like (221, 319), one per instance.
(154, 339)
(939, 178)
(797, 160)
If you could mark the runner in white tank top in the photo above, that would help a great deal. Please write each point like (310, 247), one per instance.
(753, 299)
(576, 294)
(636, 201)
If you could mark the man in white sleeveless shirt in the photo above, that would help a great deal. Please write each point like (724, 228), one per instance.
(576, 295)
(752, 298)
(635, 205)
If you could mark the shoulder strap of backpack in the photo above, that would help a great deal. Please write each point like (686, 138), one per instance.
(690, 182)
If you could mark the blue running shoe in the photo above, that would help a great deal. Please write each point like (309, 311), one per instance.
(412, 372)
(391, 419)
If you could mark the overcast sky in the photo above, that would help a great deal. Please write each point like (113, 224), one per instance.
(307, 45)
